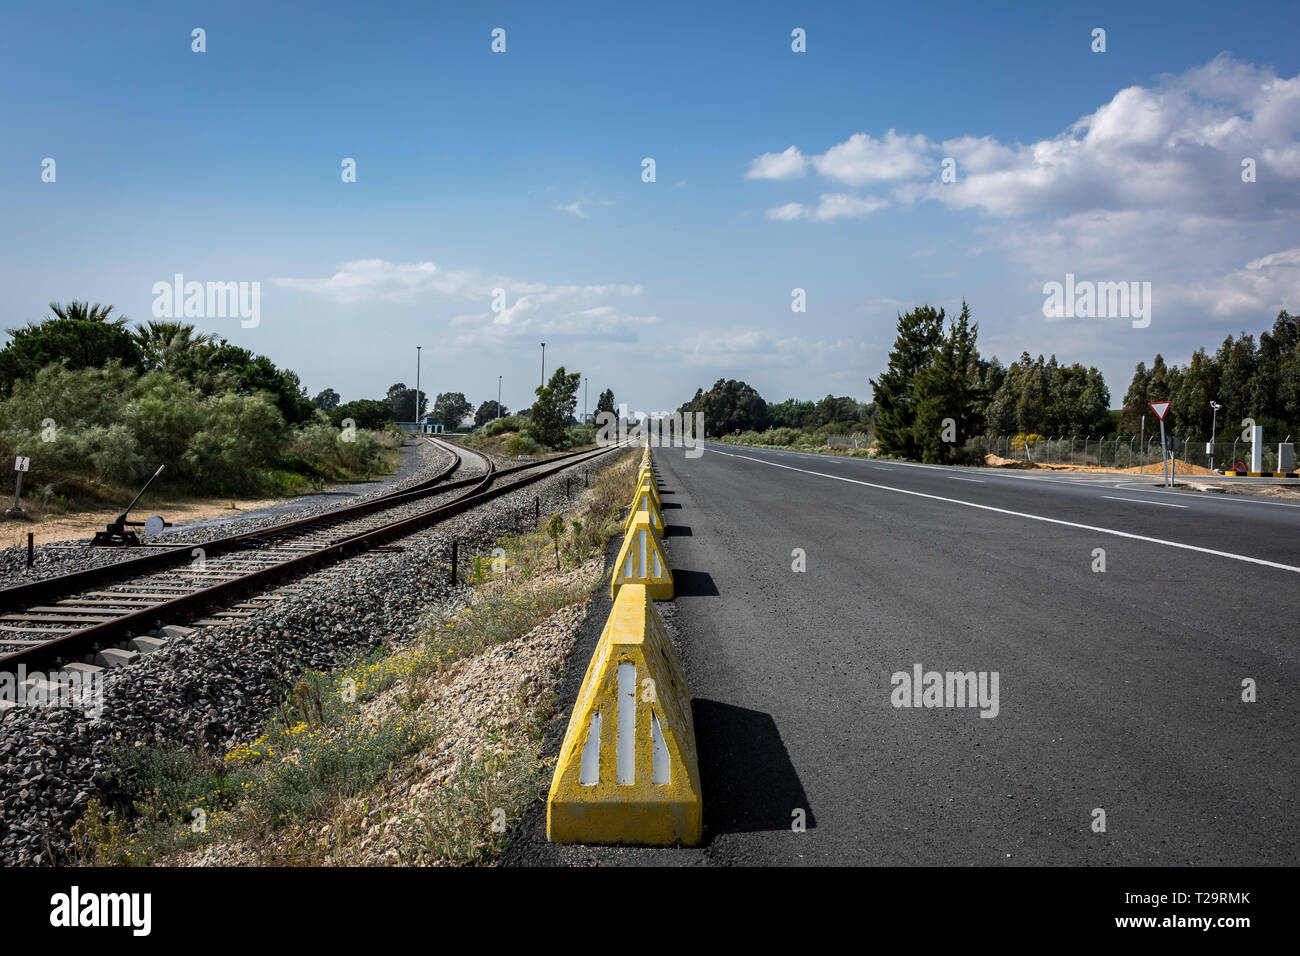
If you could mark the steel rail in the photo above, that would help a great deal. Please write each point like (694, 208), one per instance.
(30, 592)
(66, 647)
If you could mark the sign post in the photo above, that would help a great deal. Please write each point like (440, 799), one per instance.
(1161, 409)
(21, 464)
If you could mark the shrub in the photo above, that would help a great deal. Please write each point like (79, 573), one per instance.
(781, 436)
(511, 423)
(521, 444)
(582, 435)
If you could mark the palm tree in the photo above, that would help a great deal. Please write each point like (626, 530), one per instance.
(85, 312)
(161, 343)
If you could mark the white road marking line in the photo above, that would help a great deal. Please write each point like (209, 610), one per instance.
(1086, 479)
(1022, 514)
(1212, 497)
(1143, 501)
(955, 478)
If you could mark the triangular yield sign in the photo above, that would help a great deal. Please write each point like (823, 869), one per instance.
(1160, 408)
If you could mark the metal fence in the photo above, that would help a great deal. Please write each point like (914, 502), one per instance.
(1120, 453)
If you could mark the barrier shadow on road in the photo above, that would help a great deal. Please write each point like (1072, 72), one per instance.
(669, 505)
(693, 583)
(748, 781)
(678, 531)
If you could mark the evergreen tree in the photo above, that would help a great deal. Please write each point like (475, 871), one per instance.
(919, 334)
(556, 401)
(946, 395)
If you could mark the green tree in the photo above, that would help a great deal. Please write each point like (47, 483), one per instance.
(919, 334)
(832, 409)
(365, 412)
(555, 403)
(76, 311)
(791, 413)
(450, 407)
(1135, 400)
(729, 405)
(605, 403)
(402, 401)
(161, 342)
(327, 400)
(79, 334)
(215, 368)
(489, 411)
(946, 395)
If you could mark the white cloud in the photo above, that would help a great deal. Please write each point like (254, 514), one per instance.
(1175, 147)
(790, 164)
(862, 160)
(575, 311)
(1263, 285)
(1147, 187)
(574, 209)
(604, 324)
(832, 206)
(787, 213)
(374, 279)
(748, 348)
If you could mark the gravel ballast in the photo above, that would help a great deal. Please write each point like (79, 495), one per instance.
(421, 460)
(215, 687)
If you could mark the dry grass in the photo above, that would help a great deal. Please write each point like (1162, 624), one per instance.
(422, 756)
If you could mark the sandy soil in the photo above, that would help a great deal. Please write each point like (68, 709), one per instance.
(83, 524)
(1151, 468)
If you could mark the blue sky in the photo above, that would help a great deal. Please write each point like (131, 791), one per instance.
(774, 170)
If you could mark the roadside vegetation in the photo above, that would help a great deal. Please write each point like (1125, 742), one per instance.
(548, 426)
(938, 395)
(98, 406)
(383, 762)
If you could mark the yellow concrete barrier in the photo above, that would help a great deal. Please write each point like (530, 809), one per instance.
(641, 560)
(643, 505)
(650, 485)
(628, 770)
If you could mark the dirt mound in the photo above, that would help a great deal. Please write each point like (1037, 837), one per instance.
(996, 461)
(1155, 468)
(1151, 468)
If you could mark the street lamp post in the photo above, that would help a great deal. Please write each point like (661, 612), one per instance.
(419, 427)
(584, 401)
(543, 365)
(498, 396)
(1214, 413)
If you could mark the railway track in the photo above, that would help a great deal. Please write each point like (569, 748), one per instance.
(104, 616)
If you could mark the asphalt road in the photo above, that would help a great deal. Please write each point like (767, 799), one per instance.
(1119, 691)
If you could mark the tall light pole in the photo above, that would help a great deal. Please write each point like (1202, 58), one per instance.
(1214, 412)
(498, 396)
(584, 401)
(543, 365)
(419, 426)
